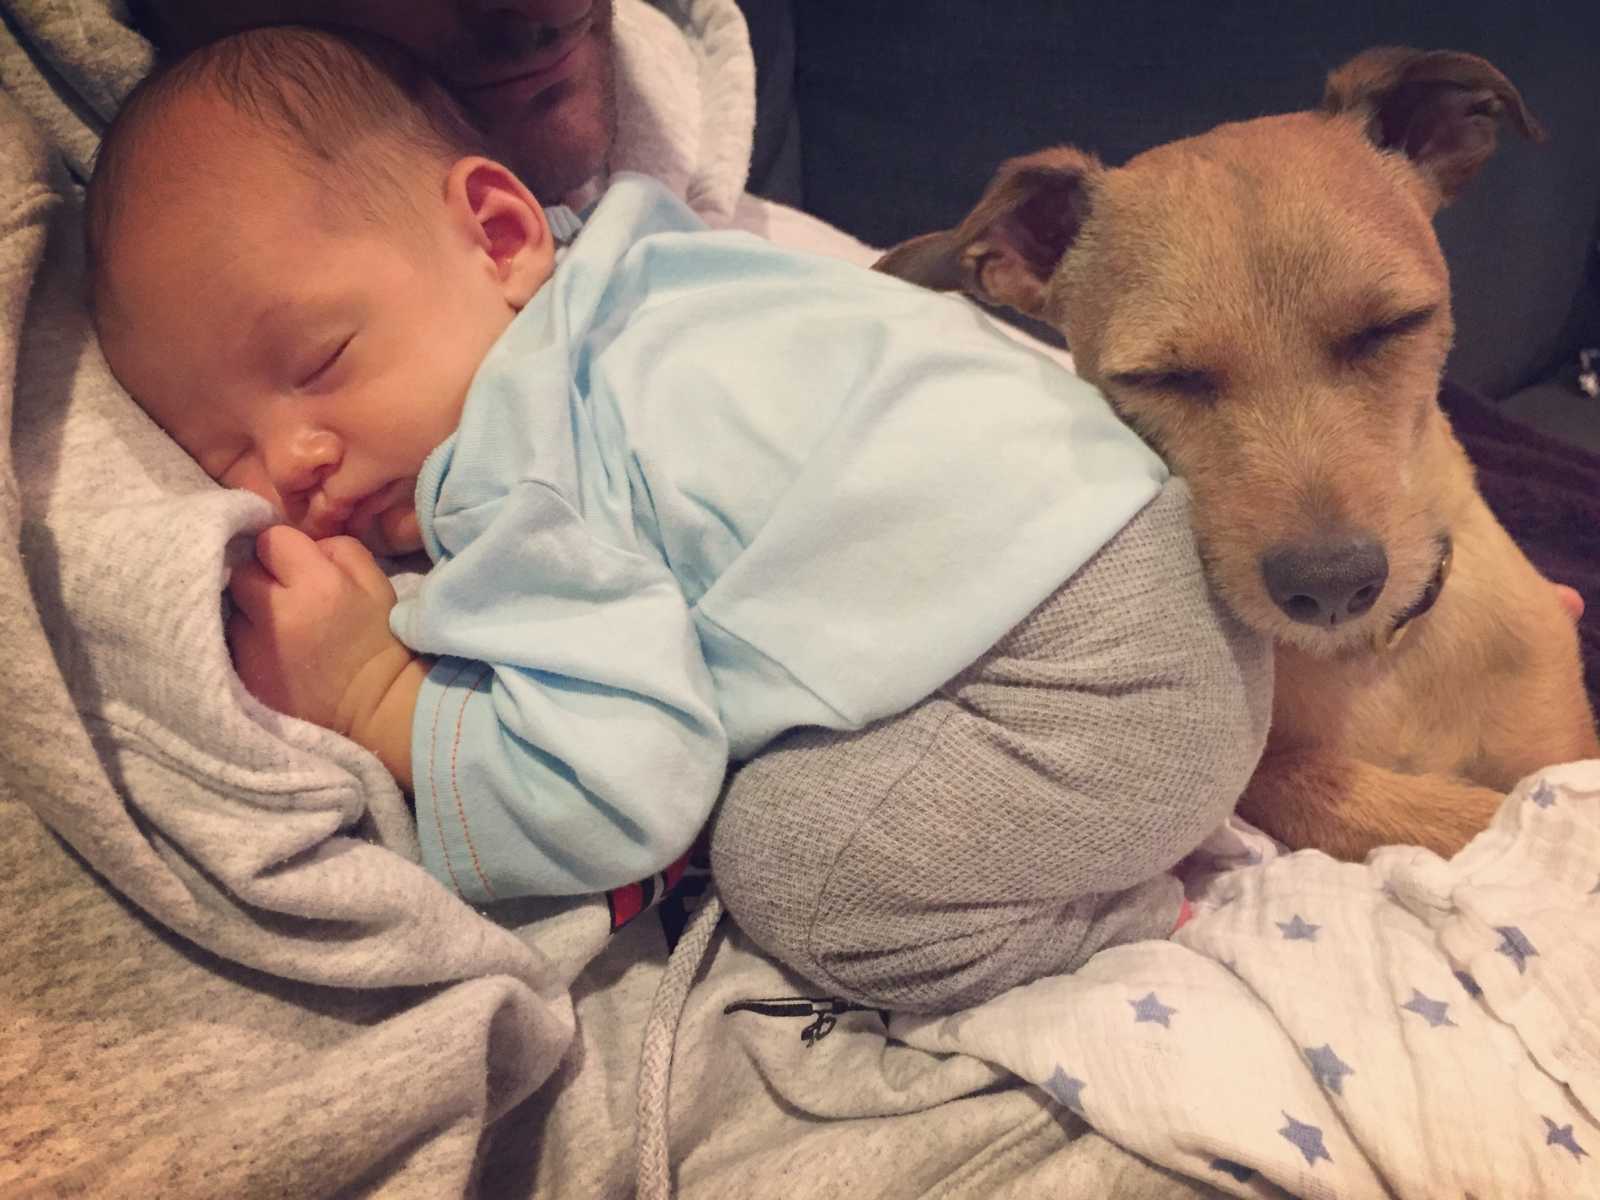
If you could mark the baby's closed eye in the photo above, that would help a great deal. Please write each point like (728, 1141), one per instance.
(320, 370)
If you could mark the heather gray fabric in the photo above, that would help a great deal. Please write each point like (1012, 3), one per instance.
(759, 1114)
(279, 1000)
(1020, 819)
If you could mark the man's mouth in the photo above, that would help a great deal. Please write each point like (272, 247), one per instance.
(551, 46)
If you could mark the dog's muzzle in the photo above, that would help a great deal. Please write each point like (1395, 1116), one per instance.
(1401, 625)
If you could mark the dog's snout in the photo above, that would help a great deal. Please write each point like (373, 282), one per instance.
(1325, 583)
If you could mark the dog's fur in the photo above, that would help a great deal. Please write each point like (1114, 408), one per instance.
(1268, 305)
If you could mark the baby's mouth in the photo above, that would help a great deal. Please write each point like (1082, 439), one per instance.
(329, 517)
(323, 518)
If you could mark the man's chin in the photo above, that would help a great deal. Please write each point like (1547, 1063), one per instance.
(561, 139)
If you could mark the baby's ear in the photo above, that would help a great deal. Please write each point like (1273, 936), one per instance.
(507, 223)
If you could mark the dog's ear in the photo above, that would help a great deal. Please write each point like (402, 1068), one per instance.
(1440, 108)
(1007, 248)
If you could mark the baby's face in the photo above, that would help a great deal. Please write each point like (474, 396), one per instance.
(314, 361)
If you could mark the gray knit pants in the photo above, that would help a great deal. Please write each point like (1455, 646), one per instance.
(1027, 813)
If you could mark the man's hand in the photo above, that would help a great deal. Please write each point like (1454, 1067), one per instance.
(310, 637)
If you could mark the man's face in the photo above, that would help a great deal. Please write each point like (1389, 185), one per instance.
(536, 74)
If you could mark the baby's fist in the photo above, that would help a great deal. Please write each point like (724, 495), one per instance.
(310, 629)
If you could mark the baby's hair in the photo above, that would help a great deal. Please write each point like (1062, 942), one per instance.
(338, 98)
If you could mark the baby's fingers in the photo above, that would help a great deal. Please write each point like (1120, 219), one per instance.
(251, 589)
(356, 561)
(287, 554)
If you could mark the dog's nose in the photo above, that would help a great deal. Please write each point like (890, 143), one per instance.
(1324, 583)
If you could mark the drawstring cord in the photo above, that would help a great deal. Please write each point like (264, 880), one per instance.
(653, 1163)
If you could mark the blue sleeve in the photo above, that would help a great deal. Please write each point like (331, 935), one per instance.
(869, 484)
(567, 739)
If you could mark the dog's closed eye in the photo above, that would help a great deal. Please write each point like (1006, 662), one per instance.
(1198, 385)
(1369, 341)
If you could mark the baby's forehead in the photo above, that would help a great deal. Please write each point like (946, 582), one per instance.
(200, 147)
(204, 213)
(191, 165)
(199, 132)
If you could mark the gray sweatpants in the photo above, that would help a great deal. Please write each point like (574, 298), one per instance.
(1027, 813)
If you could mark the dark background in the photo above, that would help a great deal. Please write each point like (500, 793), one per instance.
(886, 117)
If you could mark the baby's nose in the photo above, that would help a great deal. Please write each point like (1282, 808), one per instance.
(304, 459)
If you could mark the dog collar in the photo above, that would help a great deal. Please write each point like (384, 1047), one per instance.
(1429, 597)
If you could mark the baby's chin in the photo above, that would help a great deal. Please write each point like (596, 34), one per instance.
(394, 533)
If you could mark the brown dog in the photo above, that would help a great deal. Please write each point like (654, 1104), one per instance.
(1268, 305)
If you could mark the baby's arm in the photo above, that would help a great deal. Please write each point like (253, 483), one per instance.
(568, 738)
(310, 637)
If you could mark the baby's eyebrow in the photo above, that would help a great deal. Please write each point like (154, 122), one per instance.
(272, 318)
(280, 318)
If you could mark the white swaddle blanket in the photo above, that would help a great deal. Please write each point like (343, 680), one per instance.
(1407, 1027)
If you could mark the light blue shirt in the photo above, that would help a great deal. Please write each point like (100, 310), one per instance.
(706, 490)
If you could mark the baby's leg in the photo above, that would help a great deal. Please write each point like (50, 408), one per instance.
(1027, 813)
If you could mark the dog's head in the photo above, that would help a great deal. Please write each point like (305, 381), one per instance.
(1268, 305)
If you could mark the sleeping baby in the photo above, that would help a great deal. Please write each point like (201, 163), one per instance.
(688, 501)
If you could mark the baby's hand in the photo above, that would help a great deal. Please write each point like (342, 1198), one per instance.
(310, 629)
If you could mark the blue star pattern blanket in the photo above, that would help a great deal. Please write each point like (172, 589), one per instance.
(1406, 1027)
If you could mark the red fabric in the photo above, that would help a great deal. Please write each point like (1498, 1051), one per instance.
(1185, 911)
